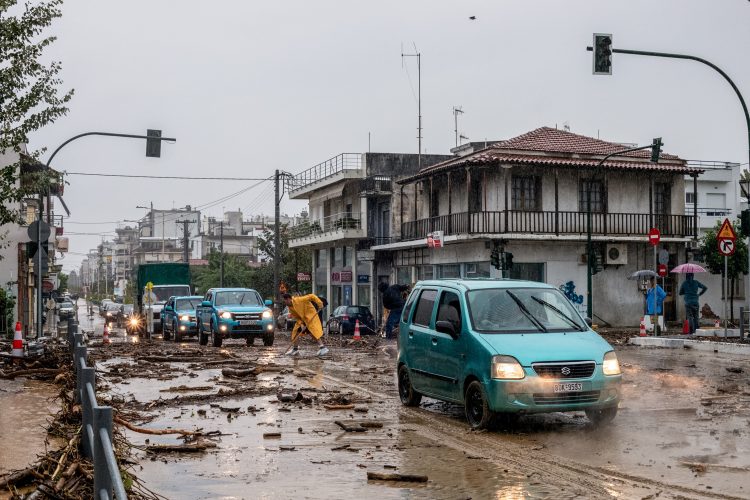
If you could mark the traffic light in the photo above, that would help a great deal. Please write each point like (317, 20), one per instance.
(596, 262)
(508, 261)
(153, 146)
(656, 150)
(495, 258)
(745, 222)
(602, 54)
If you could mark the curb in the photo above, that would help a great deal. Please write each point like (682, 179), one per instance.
(698, 345)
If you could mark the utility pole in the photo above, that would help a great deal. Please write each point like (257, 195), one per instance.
(221, 254)
(162, 237)
(456, 111)
(185, 240)
(418, 55)
(276, 237)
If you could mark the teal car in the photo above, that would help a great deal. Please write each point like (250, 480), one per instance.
(178, 317)
(503, 347)
(234, 313)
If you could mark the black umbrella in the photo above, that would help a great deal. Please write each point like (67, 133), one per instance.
(643, 273)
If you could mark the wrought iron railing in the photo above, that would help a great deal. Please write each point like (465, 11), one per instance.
(549, 222)
(328, 224)
(323, 170)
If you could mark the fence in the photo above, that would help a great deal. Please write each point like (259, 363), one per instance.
(96, 424)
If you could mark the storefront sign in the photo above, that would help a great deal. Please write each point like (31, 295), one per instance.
(363, 278)
(304, 276)
(336, 277)
(435, 239)
(346, 276)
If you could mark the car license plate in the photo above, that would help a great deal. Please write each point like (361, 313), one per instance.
(569, 387)
(249, 322)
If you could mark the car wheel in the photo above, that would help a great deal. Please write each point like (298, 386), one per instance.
(268, 339)
(409, 396)
(215, 337)
(478, 411)
(202, 337)
(166, 335)
(177, 336)
(601, 417)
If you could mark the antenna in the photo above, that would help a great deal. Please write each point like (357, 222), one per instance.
(456, 111)
(462, 137)
(418, 55)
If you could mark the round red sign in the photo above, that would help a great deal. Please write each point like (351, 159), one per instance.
(662, 271)
(654, 236)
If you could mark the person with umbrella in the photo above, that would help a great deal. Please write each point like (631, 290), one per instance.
(691, 289)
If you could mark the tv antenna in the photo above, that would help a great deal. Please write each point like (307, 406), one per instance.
(456, 111)
(418, 55)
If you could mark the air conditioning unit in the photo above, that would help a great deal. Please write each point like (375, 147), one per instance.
(617, 254)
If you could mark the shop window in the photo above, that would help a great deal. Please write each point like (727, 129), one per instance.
(403, 275)
(449, 271)
(425, 273)
(477, 270)
(363, 295)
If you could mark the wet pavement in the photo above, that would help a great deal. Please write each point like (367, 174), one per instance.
(681, 411)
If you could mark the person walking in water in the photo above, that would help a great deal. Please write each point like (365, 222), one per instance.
(305, 310)
(690, 291)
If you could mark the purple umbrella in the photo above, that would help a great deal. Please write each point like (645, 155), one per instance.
(689, 268)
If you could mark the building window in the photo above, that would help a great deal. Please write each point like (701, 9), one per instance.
(403, 275)
(529, 271)
(591, 189)
(450, 271)
(662, 198)
(526, 192)
(477, 270)
(690, 198)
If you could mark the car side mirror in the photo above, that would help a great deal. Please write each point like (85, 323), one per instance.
(268, 303)
(588, 321)
(168, 308)
(447, 328)
(206, 303)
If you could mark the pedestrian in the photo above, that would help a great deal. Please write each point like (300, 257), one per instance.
(689, 290)
(305, 310)
(655, 302)
(393, 300)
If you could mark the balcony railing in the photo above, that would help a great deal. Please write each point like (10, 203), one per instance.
(376, 185)
(328, 168)
(328, 224)
(540, 222)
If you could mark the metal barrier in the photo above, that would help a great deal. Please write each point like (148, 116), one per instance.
(744, 323)
(96, 421)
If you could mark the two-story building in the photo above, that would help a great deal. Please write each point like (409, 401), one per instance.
(351, 203)
(531, 196)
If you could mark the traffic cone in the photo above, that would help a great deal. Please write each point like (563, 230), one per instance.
(686, 327)
(17, 342)
(105, 339)
(642, 329)
(357, 336)
(717, 323)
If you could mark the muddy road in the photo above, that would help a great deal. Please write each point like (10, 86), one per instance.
(683, 430)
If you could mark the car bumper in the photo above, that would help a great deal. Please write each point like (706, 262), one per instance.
(534, 394)
(187, 327)
(229, 328)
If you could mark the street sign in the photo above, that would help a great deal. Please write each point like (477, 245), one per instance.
(654, 236)
(663, 256)
(47, 286)
(346, 276)
(304, 276)
(662, 271)
(31, 231)
(435, 239)
(726, 247)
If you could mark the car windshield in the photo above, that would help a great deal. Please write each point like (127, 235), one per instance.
(163, 293)
(522, 310)
(238, 298)
(189, 304)
(360, 310)
(67, 304)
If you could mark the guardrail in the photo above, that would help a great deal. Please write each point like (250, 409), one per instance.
(96, 422)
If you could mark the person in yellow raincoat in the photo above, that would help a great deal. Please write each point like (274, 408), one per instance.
(305, 310)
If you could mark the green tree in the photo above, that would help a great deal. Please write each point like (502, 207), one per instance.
(62, 281)
(236, 273)
(293, 260)
(29, 92)
(736, 264)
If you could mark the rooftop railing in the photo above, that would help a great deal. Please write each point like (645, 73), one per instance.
(328, 168)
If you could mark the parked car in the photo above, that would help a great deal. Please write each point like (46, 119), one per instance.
(103, 307)
(234, 313)
(285, 321)
(66, 310)
(178, 317)
(503, 348)
(343, 319)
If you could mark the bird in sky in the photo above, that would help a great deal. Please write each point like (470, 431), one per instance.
(473, 18)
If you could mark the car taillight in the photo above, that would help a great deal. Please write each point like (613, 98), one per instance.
(345, 317)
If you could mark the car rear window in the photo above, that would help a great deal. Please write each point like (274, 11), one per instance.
(423, 313)
(358, 310)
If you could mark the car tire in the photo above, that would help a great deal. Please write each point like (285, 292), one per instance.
(406, 392)
(268, 339)
(601, 417)
(177, 336)
(202, 337)
(215, 337)
(166, 335)
(477, 408)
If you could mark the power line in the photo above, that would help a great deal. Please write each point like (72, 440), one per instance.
(178, 177)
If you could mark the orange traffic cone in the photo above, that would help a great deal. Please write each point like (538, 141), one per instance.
(357, 336)
(686, 327)
(17, 342)
(642, 329)
(105, 339)
(717, 323)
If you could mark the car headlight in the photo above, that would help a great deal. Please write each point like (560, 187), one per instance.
(267, 314)
(507, 368)
(134, 321)
(226, 315)
(184, 317)
(109, 314)
(611, 366)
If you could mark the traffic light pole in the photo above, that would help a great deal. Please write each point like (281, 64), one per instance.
(589, 249)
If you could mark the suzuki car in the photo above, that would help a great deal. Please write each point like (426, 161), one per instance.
(234, 313)
(504, 347)
(178, 317)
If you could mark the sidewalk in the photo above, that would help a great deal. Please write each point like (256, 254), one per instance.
(687, 342)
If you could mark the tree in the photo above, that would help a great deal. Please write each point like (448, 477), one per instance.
(236, 273)
(62, 281)
(29, 92)
(714, 260)
(293, 260)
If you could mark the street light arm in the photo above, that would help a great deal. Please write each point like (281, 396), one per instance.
(106, 134)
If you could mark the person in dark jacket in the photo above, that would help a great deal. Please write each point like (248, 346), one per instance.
(690, 291)
(393, 300)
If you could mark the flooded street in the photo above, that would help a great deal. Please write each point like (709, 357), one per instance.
(682, 430)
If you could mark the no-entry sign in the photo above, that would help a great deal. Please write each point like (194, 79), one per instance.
(654, 236)
(662, 270)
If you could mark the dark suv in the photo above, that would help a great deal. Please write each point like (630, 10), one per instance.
(344, 318)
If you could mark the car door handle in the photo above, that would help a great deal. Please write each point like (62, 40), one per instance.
(434, 341)
(411, 335)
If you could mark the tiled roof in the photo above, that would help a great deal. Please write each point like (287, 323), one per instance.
(551, 147)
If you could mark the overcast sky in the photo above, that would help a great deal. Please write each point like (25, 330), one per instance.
(248, 87)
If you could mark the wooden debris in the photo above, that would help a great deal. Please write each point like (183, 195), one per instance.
(183, 388)
(271, 435)
(196, 447)
(372, 425)
(339, 407)
(394, 476)
(234, 409)
(157, 432)
(350, 428)
(48, 372)
(702, 467)
(239, 373)
(339, 448)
